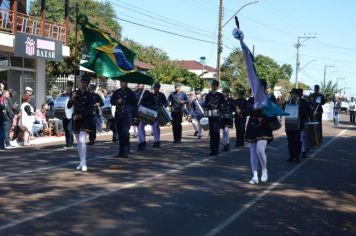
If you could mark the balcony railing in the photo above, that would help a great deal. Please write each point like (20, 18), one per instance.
(31, 25)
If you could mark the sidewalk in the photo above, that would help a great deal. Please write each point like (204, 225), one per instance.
(55, 139)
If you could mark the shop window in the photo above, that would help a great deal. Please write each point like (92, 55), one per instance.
(29, 63)
(4, 59)
(16, 61)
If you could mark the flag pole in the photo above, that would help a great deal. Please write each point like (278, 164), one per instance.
(76, 45)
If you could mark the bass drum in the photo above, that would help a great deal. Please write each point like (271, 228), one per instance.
(147, 115)
(108, 110)
(60, 108)
(164, 116)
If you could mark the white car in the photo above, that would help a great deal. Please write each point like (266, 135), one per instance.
(344, 106)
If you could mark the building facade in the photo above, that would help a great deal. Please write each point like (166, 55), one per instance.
(26, 43)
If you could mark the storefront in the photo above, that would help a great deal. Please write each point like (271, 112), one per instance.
(22, 63)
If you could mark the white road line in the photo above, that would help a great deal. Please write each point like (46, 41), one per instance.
(238, 213)
(104, 193)
(126, 186)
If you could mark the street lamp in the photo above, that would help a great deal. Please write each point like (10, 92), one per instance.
(202, 62)
(220, 48)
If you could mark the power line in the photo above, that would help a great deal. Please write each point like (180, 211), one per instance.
(157, 16)
(165, 31)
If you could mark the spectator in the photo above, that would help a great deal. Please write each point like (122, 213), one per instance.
(41, 123)
(337, 109)
(2, 119)
(27, 119)
(50, 102)
(8, 116)
(32, 102)
(352, 107)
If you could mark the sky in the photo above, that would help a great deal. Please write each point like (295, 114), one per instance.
(272, 26)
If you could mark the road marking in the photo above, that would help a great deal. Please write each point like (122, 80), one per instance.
(244, 208)
(105, 193)
(102, 194)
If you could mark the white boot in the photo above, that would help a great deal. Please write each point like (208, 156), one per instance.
(80, 165)
(254, 179)
(264, 176)
(84, 166)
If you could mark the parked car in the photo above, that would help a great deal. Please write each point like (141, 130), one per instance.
(344, 106)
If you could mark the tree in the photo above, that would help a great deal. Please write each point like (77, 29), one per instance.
(169, 72)
(148, 54)
(233, 71)
(330, 90)
(101, 14)
(268, 69)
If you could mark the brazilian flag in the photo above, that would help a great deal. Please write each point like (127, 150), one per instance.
(107, 57)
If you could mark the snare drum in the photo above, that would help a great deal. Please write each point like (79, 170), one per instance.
(204, 122)
(147, 115)
(163, 116)
(212, 113)
(312, 131)
(60, 108)
(108, 110)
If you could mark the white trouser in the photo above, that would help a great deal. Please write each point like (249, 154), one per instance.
(82, 147)
(226, 136)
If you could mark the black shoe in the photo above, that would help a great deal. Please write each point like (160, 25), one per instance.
(177, 141)
(141, 147)
(304, 155)
(226, 148)
(91, 143)
(290, 159)
(195, 133)
(156, 145)
(214, 153)
(119, 155)
(199, 136)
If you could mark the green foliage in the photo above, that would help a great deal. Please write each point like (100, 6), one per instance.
(233, 70)
(148, 54)
(169, 72)
(99, 13)
(330, 90)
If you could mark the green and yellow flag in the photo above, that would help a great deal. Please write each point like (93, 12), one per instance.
(107, 57)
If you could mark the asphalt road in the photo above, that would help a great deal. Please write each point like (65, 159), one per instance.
(180, 190)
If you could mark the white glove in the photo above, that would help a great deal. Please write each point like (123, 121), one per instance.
(238, 34)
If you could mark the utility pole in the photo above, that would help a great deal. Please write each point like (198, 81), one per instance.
(324, 85)
(220, 48)
(297, 61)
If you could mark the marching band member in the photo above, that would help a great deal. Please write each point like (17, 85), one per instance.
(82, 118)
(240, 118)
(305, 115)
(177, 100)
(98, 102)
(214, 101)
(68, 123)
(159, 100)
(317, 100)
(258, 133)
(197, 111)
(227, 120)
(144, 99)
(126, 110)
(190, 113)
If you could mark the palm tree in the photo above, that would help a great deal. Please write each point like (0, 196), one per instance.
(330, 90)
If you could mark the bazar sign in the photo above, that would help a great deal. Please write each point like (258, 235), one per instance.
(31, 46)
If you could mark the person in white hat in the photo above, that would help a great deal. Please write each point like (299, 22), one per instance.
(29, 91)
